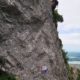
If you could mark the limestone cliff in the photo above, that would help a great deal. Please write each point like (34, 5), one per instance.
(29, 40)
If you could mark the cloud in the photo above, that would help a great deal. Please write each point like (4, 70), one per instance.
(71, 42)
(71, 14)
(69, 30)
(71, 39)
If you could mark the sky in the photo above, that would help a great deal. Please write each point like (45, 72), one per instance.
(69, 30)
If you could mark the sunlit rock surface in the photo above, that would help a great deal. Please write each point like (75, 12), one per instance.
(29, 40)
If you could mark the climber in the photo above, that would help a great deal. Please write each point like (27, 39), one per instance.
(44, 69)
(54, 4)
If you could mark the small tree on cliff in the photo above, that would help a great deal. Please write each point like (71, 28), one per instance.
(57, 17)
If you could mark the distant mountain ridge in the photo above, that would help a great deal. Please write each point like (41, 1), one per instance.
(74, 56)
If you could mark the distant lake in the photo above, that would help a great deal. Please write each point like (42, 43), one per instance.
(74, 57)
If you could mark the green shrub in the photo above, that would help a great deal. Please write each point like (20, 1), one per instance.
(78, 77)
(70, 72)
(3, 74)
(65, 57)
(6, 76)
(57, 17)
(69, 69)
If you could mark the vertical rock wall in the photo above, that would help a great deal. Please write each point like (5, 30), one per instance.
(29, 40)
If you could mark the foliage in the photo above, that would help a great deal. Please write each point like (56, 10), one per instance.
(69, 69)
(64, 54)
(70, 72)
(78, 77)
(3, 74)
(57, 17)
(6, 76)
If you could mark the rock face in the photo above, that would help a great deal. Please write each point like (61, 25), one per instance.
(29, 40)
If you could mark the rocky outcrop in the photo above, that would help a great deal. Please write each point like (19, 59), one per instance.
(29, 40)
